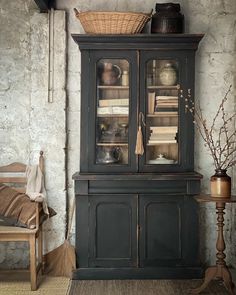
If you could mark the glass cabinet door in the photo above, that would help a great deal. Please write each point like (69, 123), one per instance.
(112, 122)
(162, 112)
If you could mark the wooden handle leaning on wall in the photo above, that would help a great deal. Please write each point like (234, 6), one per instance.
(41, 161)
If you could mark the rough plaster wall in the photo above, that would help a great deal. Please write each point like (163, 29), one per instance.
(28, 123)
(215, 71)
(23, 95)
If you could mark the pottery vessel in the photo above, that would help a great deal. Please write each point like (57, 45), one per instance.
(167, 19)
(168, 76)
(111, 74)
(220, 184)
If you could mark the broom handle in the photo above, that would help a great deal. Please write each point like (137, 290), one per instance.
(70, 219)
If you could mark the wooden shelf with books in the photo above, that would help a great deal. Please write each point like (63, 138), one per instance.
(162, 135)
(113, 102)
(162, 103)
(113, 110)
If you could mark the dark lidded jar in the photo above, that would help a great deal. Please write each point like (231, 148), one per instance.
(221, 184)
(167, 19)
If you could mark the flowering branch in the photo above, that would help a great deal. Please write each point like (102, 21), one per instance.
(222, 146)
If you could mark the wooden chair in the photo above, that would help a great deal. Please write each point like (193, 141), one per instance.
(13, 233)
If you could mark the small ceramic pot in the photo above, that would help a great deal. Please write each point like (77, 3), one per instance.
(221, 184)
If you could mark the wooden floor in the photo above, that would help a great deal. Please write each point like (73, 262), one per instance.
(143, 287)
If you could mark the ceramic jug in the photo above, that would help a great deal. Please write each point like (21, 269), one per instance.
(168, 76)
(111, 74)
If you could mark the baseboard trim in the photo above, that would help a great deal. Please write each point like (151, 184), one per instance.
(138, 273)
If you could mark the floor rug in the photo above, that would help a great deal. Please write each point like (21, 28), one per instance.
(143, 287)
(18, 283)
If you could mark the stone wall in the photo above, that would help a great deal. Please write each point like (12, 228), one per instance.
(29, 123)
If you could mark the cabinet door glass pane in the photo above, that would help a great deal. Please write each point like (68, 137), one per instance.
(113, 96)
(162, 111)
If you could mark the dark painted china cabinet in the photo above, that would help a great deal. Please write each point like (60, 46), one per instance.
(136, 216)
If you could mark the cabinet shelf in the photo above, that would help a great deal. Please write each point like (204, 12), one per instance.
(118, 87)
(112, 116)
(112, 144)
(164, 87)
(160, 143)
(163, 114)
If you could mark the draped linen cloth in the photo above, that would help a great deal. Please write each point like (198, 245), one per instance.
(35, 187)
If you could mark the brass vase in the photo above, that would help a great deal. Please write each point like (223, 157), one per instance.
(220, 184)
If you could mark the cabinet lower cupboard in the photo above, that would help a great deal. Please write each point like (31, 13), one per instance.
(136, 216)
(144, 228)
(113, 228)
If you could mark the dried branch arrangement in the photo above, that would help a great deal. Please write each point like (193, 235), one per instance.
(219, 136)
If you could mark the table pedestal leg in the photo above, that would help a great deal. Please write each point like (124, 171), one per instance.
(220, 270)
(227, 278)
(216, 272)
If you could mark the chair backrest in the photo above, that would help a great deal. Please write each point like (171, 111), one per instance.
(14, 174)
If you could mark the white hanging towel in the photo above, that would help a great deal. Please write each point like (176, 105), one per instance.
(35, 188)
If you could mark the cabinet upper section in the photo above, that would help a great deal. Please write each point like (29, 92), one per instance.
(133, 90)
(139, 41)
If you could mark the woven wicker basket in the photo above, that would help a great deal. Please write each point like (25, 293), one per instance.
(109, 22)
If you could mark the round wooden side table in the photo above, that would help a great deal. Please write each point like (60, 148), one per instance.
(220, 270)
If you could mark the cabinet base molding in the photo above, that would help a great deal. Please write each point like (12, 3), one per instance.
(138, 273)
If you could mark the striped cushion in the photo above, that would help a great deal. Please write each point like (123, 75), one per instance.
(17, 208)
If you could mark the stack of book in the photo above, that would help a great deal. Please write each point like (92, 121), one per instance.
(166, 103)
(113, 106)
(163, 134)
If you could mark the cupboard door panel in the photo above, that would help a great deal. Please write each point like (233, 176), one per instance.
(113, 228)
(161, 230)
(112, 111)
(162, 91)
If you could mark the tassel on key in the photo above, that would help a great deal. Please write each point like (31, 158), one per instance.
(139, 149)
